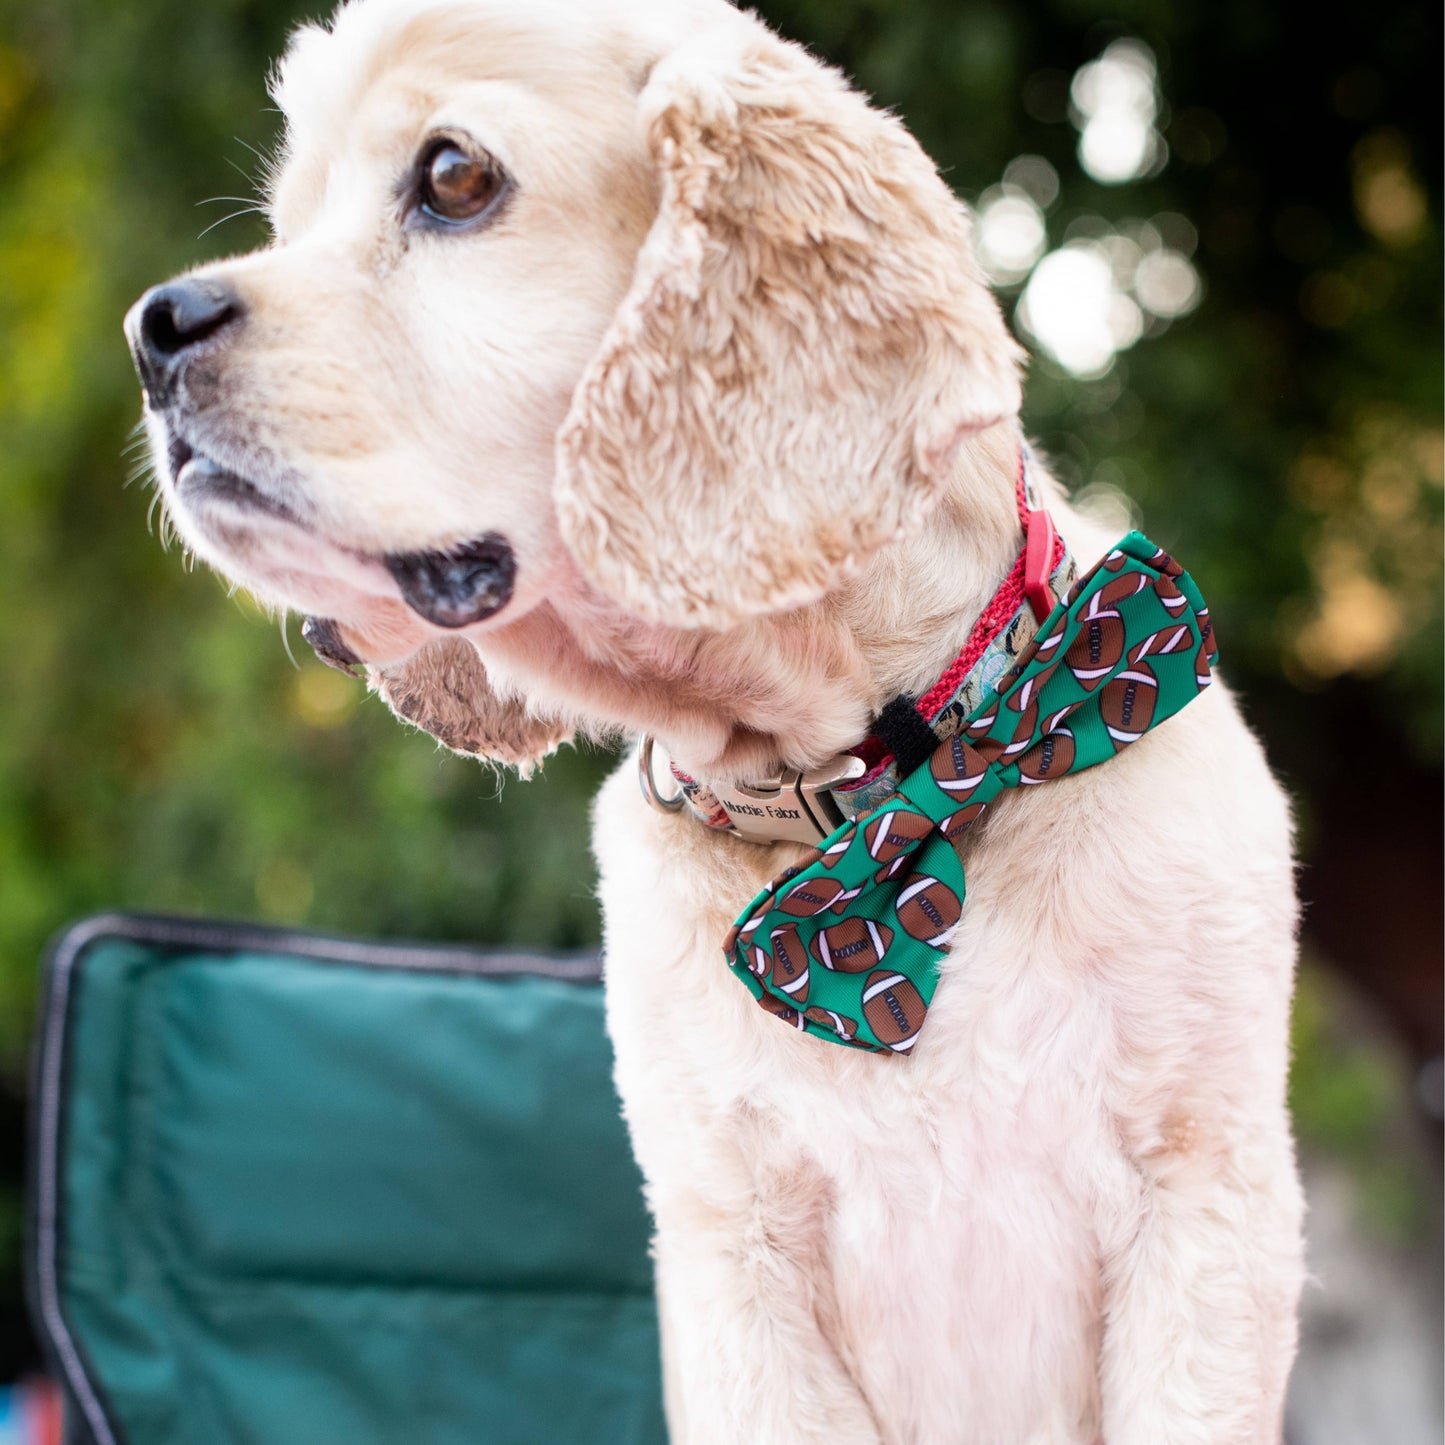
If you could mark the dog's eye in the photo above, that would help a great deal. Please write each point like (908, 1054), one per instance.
(456, 186)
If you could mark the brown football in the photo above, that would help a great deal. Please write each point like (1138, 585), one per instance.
(784, 1011)
(1022, 697)
(1206, 628)
(1051, 723)
(1051, 757)
(841, 1024)
(986, 747)
(896, 831)
(1166, 640)
(895, 868)
(810, 897)
(957, 824)
(1027, 726)
(928, 909)
(1096, 651)
(1173, 599)
(957, 768)
(979, 727)
(749, 928)
(1118, 590)
(853, 946)
(1046, 646)
(1127, 705)
(894, 1010)
(833, 854)
(1161, 561)
(1202, 674)
(790, 964)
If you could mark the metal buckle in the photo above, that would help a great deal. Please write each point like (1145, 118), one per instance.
(663, 802)
(792, 808)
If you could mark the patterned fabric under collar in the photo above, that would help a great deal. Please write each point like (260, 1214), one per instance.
(848, 944)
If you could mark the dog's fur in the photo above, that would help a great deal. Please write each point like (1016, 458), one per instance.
(726, 377)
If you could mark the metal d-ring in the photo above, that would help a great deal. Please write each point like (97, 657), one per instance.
(646, 777)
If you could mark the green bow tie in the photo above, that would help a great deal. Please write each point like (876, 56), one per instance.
(847, 945)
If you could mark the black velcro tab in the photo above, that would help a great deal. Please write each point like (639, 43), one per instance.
(901, 728)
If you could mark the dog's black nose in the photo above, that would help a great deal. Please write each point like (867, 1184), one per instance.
(170, 321)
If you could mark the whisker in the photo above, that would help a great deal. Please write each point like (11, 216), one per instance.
(286, 639)
(244, 211)
(259, 154)
(249, 179)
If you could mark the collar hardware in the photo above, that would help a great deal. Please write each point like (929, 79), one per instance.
(673, 800)
(805, 808)
(794, 807)
(1039, 563)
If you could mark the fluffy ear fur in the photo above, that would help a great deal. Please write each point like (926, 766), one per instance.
(443, 689)
(806, 342)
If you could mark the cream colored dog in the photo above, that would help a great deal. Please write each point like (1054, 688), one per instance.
(617, 369)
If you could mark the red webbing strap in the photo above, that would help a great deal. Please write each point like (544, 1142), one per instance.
(1042, 552)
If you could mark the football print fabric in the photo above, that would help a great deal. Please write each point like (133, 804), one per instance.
(849, 951)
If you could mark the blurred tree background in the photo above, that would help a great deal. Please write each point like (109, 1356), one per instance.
(1218, 225)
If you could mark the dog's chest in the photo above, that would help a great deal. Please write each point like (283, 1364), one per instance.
(959, 1275)
(941, 1209)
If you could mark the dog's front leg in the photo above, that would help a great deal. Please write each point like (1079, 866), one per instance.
(753, 1353)
(747, 1356)
(1202, 1280)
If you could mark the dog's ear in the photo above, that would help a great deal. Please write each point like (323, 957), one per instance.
(444, 690)
(806, 342)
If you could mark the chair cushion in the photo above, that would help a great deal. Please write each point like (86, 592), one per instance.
(290, 1190)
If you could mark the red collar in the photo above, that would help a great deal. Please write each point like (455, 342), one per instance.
(905, 725)
(806, 807)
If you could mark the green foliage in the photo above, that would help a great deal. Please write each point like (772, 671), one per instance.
(160, 752)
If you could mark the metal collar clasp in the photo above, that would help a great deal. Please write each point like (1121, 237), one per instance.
(794, 807)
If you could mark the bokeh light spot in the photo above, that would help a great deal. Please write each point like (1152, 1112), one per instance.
(324, 698)
(1389, 199)
(1035, 177)
(1068, 307)
(1167, 284)
(1115, 106)
(1010, 235)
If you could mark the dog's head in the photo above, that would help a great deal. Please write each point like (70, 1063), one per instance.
(627, 301)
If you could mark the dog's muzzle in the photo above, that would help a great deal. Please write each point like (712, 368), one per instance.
(459, 586)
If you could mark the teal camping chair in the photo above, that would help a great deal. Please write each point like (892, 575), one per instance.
(292, 1190)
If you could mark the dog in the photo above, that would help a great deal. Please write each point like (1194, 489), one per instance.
(619, 370)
